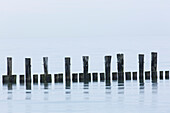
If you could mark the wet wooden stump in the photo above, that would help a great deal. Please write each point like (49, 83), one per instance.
(161, 73)
(21, 79)
(95, 77)
(35, 79)
(120, 68)
(134, 75)
(58, 78)
(102, 78)
(166, 75)
(85, 69)
(9, 78)
(67, 72)
(45, 78)
(141, 68)
(75, 77)
(147, 75)
(114, 76)
(108, 69)
(154, 67)
(28, 73)
(128, 75)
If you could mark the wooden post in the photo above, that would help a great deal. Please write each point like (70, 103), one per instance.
(120, 67)
(141, 68)
(108, 69)
(35, 78)
(9, 78)
(128, 75)
(147, 75)
(166, 75)
(21, 79)
(28, 73)
(85, 69)
(134, 75)
(75, 77)
(102, 77)
(46, 77)
(154, 67)
(161, 73)
(67, 72)
(9, 66)
(58, 78)
(114, 76)
(95, 77)
(81, 77)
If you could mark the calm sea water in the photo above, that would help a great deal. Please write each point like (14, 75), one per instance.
(130, 98)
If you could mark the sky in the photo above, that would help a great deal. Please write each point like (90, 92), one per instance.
(83, 18)
(59, 28)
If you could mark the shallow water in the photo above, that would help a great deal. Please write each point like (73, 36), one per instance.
(95, 98)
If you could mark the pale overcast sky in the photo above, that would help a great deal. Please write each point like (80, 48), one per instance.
(84, 18)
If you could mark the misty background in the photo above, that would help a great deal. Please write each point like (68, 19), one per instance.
(59, 28)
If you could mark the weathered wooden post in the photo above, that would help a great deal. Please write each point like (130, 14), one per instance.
(154, 67)
(141, 68)
(21, 79)
(28, 73)
(120, 67)
(95, 77)
(166, 75)
(75, 77)
(108, 69)
(81, 77)
(58, 78)
(161, 73)
(114, 76)
(67, 72)
(102, 77)
(85, 69)
(134, 75)
(35, 78)
(147, 75)
(9, 78)
(46, 77)
(128, 75)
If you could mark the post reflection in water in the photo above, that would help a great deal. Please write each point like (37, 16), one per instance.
(141, 87)
(9, 95)
(28, 95)
(46, 95)
(154, 88)
(120, 88)
(86, 91)
(9, 86)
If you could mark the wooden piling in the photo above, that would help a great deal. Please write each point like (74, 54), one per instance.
(134, 75)
(75, 77)
(166, 75)
(58, 78)
(161, 75)
(154, 67)
(81, 77)
(114, 76)
(46, 77)
(147, 75)
(28, 73)
(108, 69)
(95, 77)
(35, 78)
(9, 78)
(128, 75)
(141, 68)
(21, 79)
(102, 77)
(67, 72)
(120, 67)
(85, 69)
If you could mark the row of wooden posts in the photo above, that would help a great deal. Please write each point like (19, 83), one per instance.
(85, 76)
